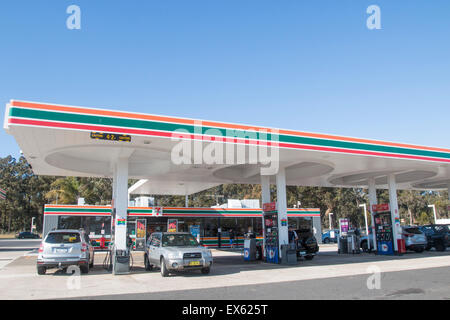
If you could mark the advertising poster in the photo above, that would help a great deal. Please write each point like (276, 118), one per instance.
(195, 231)
(343, 225)
(141, 228)
(172, 225)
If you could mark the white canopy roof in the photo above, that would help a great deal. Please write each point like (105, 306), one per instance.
(56, 140)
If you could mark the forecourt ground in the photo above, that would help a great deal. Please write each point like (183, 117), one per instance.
(328, 276)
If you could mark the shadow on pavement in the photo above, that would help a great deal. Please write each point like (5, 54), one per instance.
(234, 263)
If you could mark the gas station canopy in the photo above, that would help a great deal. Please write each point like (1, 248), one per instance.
(74, 141)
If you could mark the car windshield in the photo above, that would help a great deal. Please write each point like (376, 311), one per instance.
(413, 230)
(441, 228)
(63, 237)
(179, 240)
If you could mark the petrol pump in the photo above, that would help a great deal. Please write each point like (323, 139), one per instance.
(271, 235)
(383, 229)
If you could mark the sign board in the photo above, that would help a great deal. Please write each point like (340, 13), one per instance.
(194, 230)
(157, 211)
(141, 233)
(343, 225)
(269, 207)
(2, 194)
(384, 207)
(121, 222)
(172, 225)
(110, 136)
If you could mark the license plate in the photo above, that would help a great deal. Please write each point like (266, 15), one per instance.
(61, 250)
(194, 263)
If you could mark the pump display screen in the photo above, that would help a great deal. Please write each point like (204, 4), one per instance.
(383, 227)
(271, 232)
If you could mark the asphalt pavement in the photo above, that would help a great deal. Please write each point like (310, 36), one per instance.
(432, 283)
(11, 249)
(328, 276)
(19, 244)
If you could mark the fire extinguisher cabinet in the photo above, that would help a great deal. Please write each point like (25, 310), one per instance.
(401, 246)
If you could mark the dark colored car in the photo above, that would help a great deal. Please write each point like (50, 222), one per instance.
(307, 246)
(27, 235)
(437, 236)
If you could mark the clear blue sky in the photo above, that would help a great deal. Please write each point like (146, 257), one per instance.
(293, 64)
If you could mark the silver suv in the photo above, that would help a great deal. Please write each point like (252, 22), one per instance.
(63, 248)
(176, 251)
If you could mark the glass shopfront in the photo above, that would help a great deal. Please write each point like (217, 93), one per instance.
(213, 231)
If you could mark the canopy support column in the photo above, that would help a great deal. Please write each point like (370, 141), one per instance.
(282, 209)
(372, 200)
(393, 204)
(120, 211)
(265, 198)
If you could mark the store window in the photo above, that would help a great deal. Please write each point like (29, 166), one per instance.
(97, 224)
(304, 223)
(69, 222)
(185, 224)
(210, 227)
(156, 224)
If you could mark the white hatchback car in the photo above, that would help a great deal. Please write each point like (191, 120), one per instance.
(64, 248)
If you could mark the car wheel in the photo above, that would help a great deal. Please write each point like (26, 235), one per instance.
(440, 247)
(309, 257)
(164, 271)
(84, 268)
(326, 240)
(41, 270)
(147, 264)
(91, 265)
(206, 270)
(364, 246)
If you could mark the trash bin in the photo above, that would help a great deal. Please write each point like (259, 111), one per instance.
(351, 244)
(343, 246)
(288, 255)
(250, 249)
(121, 262)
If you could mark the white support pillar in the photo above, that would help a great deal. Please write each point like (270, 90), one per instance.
(393, 204)
(265, 198)
(265, 189)
(282, 209)
(113, 202)
(372, 200)
(186, 201)
(121, 203)
(448, 194)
